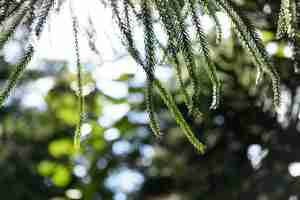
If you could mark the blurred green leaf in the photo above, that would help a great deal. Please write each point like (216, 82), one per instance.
(46, 167)
(267, 36)
(65, 107)
(61, 176)
(61, 147)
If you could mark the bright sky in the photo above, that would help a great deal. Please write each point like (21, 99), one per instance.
(57, 39)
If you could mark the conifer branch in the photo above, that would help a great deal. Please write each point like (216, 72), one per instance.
(81, 109)
(16, 75)
(171, 104)
(150, 63)
(212, 11)
(153, 122)
(170, 26)
(185, 46)
(211, 70)
(7, 12)
(296, 41)
(4, 37)
(43, 15)
(173, 14)
(285, 19)
(250, 41)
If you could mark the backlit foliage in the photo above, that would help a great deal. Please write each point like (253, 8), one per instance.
(180, 20)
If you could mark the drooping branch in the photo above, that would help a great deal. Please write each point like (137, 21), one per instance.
(175, 17)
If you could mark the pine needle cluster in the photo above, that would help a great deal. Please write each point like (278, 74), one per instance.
(178, 18)
(288, 27)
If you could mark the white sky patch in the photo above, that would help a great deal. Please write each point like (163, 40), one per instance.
(160, 32)
(225, 24)
(125, 181)
(121, 147)
(138, 117)
(294, 169)
(135, 98)
(147, 150)
(207, 23)
(101, 163)
(139, 79)
(114, 69)
(288, 51)
(285, 105)
(33, 93)
(74, 194)
(80, 171)
(120, 196)
(112, 113)
(267, 8)
(163, 73)
(111, 134)
(12, 52)
(86, 89)
(57, 41)
(85, 130)
(256, 154)
(293, 197)
(272, 48)
(114, 89)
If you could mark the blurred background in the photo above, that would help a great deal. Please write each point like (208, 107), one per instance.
(252, 152)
